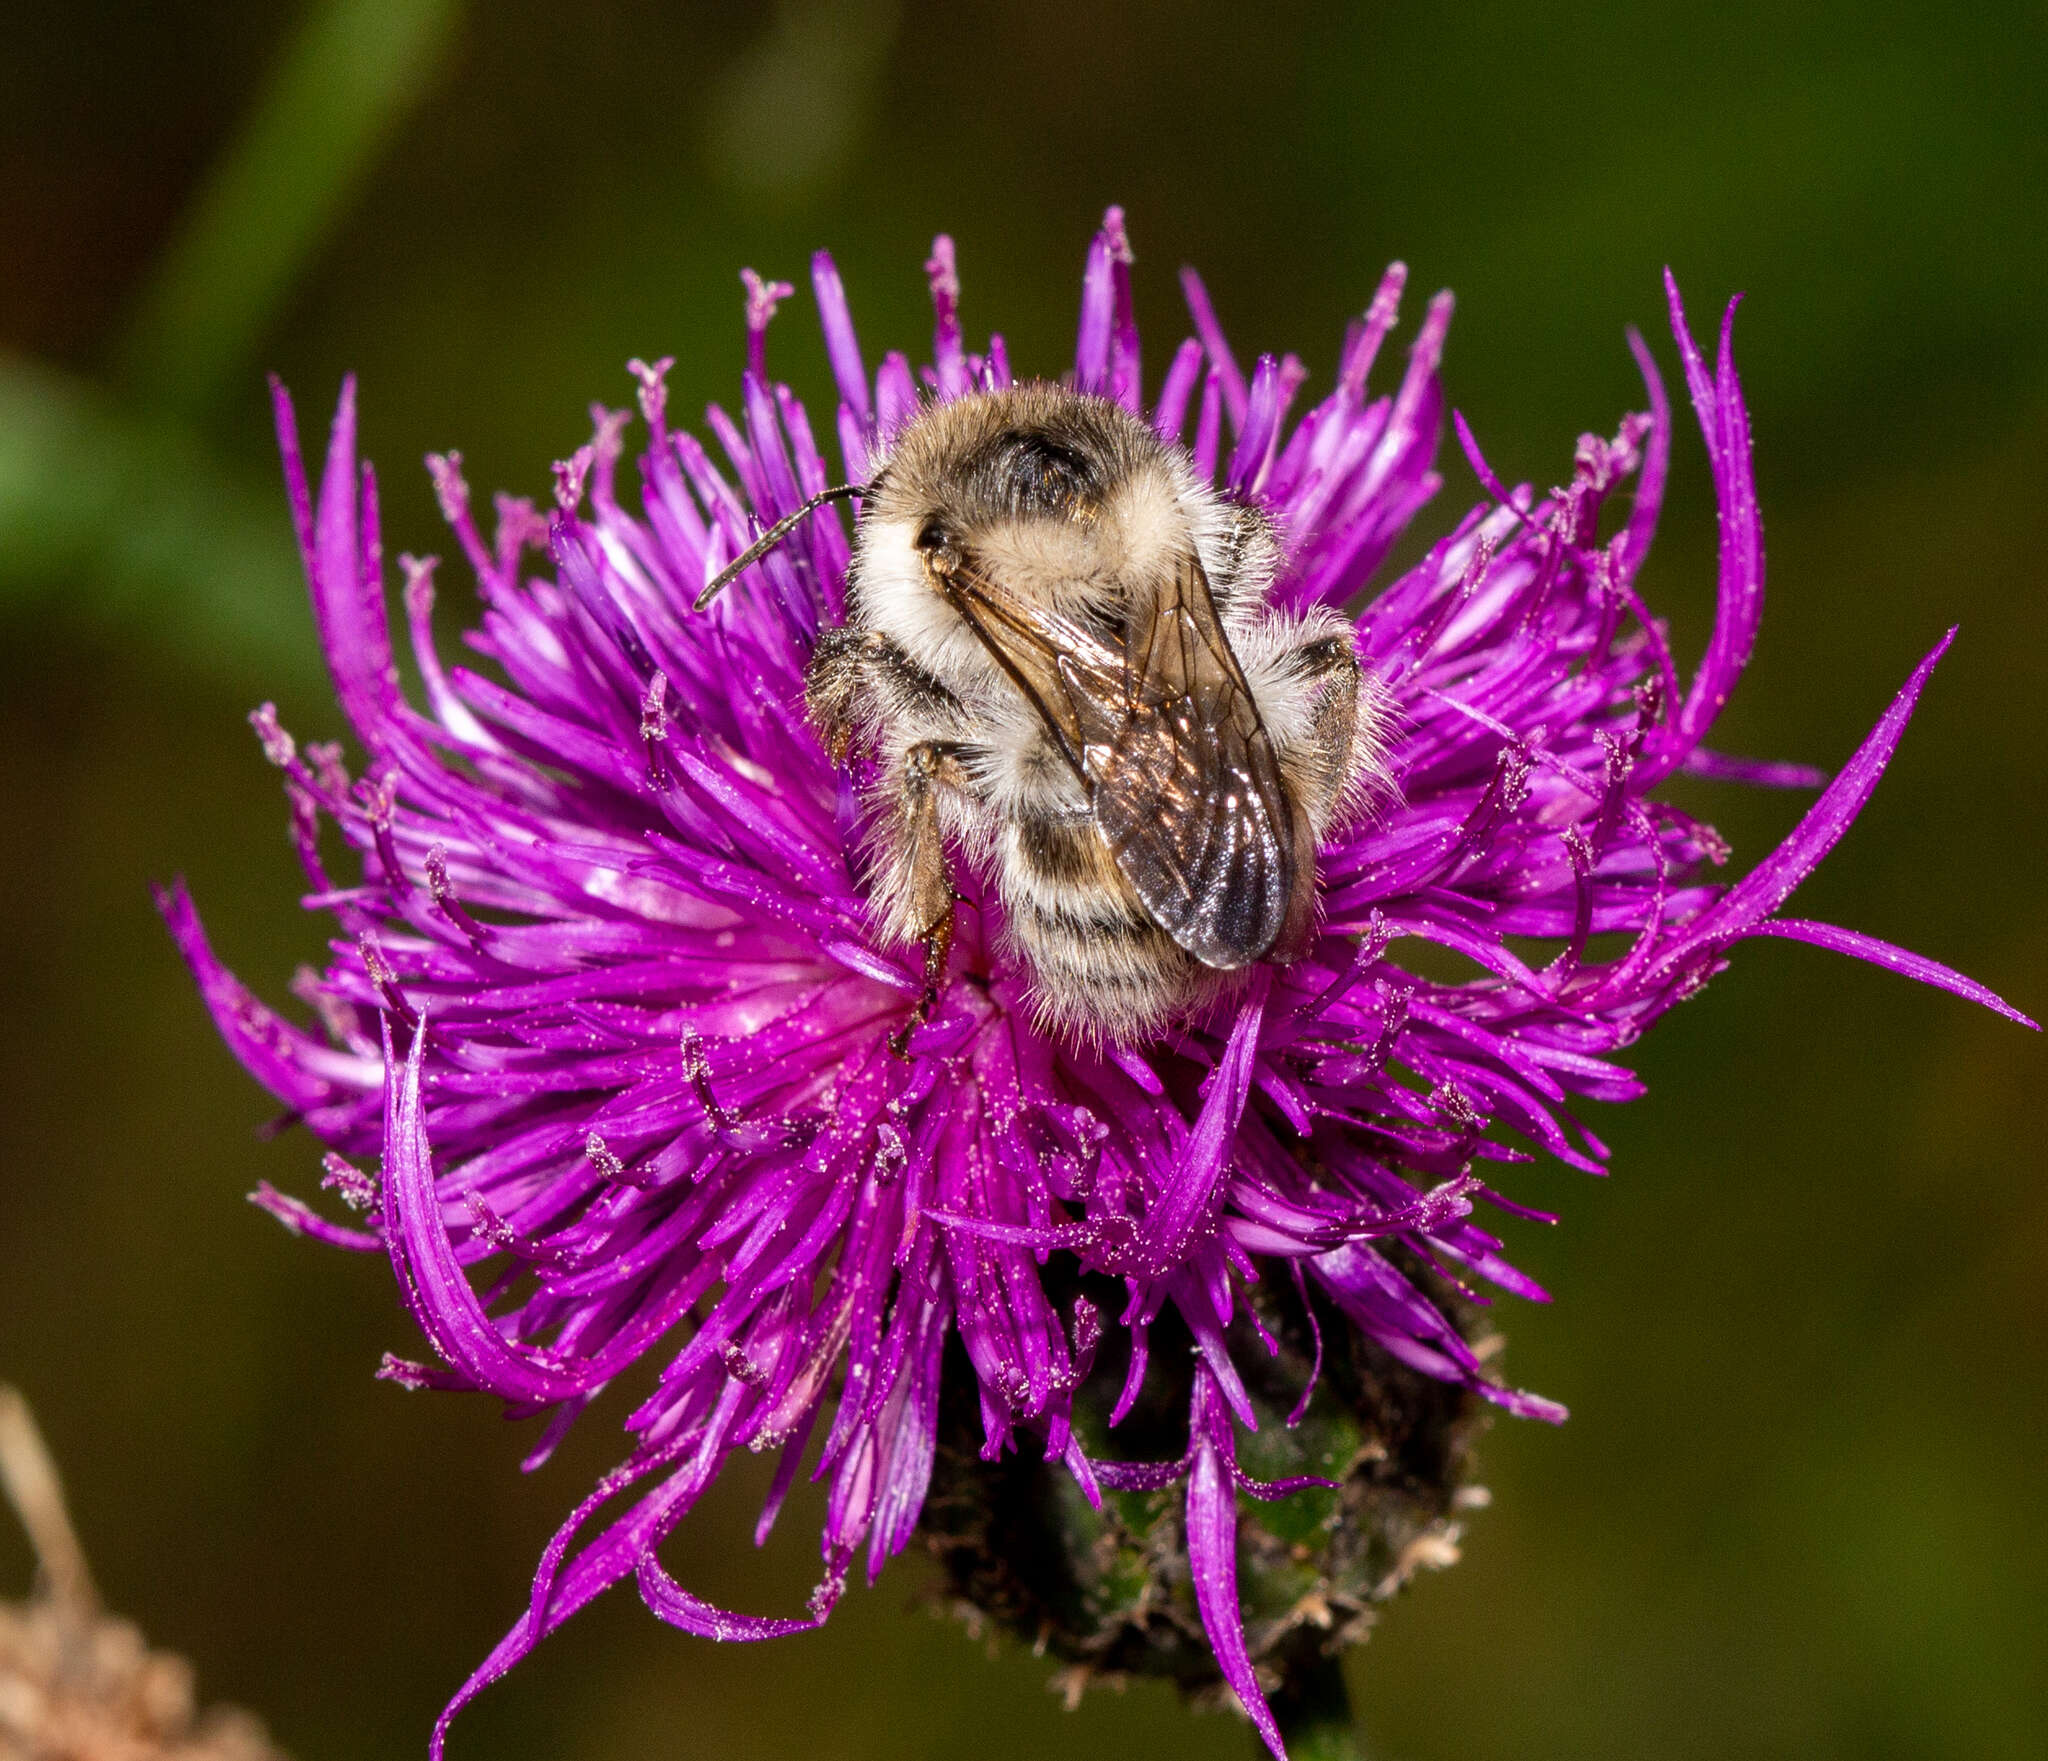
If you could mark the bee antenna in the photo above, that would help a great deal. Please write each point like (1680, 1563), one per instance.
(774, 536)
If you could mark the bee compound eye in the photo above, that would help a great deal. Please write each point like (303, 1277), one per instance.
(932, 535)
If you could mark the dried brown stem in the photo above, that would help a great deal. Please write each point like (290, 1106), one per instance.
(29, 1477)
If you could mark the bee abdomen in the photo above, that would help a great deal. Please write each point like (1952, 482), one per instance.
(1118, 975)
(1060, 871)
(1099, 960)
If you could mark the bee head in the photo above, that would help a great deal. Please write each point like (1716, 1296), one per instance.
(1032, 470)
(1053, 501)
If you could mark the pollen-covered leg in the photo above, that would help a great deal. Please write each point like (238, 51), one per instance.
(917, 895)
(1332, 665)
(858, 679)
(832, 687)
(938, 948)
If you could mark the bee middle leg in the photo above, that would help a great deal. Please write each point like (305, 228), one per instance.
(833, 683)
(919, 888)
(1324, 766)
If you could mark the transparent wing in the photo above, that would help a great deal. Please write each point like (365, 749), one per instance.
(1181, 772)
(1187, 787)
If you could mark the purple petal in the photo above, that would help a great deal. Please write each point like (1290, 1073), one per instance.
(1893, 959)
(1106, 347)
(1724, 421)
(1214, 344)
(1771, 882)
(674, 1604)
(1634, 543)
(424, 1257)
(1184, 1210)
(301, 1219)
(842, 347)
(1212, 1562)
(344, 570)
(944, 278)
(1760, 773)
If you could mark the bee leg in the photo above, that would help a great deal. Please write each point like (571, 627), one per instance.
(833, 684)
(921, 887)
(938, 946)
(856, 676)
(1325, 760)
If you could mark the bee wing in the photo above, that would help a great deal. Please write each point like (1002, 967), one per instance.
(1181, 772)
(1185, 783)
(1031, 649)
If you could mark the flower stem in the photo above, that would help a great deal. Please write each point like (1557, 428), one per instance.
(1314, 1712)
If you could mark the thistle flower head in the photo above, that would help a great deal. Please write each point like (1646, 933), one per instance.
(603, 1056)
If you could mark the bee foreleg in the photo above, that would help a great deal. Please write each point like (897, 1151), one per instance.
(918, 887)
(832, 687)
(858, 679)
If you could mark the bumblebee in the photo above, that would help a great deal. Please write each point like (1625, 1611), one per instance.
(1059, 647)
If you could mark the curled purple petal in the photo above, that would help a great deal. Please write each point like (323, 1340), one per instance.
(671, 1602)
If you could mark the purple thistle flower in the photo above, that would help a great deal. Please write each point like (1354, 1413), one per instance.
(610, 1015)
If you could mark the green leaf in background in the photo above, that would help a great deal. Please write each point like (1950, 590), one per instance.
(126, 523)
(114, 509)
(345, 84)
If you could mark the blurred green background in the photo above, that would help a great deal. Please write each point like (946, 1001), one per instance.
(1798, 1510)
